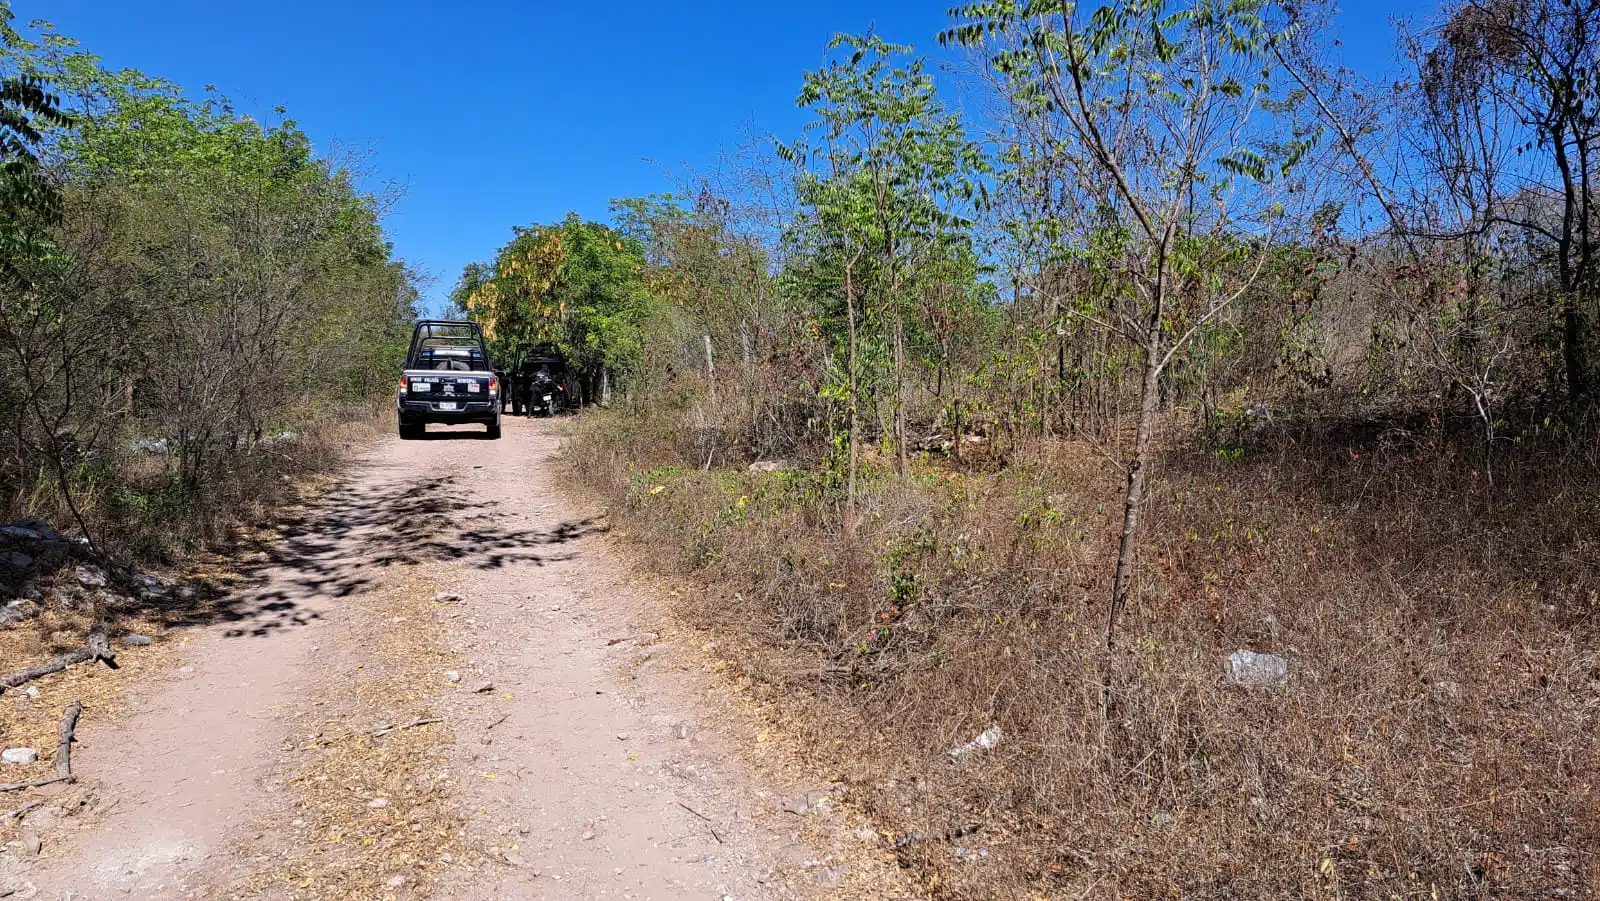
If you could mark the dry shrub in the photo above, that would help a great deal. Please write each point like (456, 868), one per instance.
(1435, 739)
(136, 507)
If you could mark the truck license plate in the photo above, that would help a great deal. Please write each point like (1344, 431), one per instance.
(447, 405)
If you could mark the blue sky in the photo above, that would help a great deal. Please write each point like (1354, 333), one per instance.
(493, 113)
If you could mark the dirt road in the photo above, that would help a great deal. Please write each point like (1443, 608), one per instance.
(442, 684)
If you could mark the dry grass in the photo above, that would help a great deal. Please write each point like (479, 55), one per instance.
(332, 841)
(1436, 739)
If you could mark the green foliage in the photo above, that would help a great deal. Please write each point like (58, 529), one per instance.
(887, 177)
(164, 234)
(579, 286)
(28, 198)
(888, 185)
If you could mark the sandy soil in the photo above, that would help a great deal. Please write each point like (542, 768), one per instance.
(443, 684)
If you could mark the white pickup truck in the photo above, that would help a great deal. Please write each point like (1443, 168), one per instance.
(447, 379)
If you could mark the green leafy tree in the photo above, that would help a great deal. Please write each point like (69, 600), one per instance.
(189, 232)
(576, 285)
(888, 180)
(1158, 138)
(28, 198)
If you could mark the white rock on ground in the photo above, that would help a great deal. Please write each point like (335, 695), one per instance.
(1257, 670)
(986, 740)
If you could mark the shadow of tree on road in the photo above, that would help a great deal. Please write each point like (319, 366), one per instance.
(340, 544)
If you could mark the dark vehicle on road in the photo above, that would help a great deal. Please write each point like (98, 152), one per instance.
(447, 379)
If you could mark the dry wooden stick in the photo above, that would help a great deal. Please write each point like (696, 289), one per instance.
(64, 737)
(702, 816)
(96, 648)
(69, 725)
(36, 783)
(20, 812)
(387, 729)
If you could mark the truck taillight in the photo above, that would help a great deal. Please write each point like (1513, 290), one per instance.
(402, 384)
(494, 385)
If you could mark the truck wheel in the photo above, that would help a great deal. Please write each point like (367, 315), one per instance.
(494, 431)
(411, 431)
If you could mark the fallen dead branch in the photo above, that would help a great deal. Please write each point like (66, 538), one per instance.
(702, 816)
(949, 835)
(20, 812)
(34, 783)
(378, 733)
(64, 739)
(69, 727)
(96, 648)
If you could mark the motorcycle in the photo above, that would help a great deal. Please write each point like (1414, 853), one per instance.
(549, 396)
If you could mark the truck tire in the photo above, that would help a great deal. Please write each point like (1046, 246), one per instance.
(410, 431)
(494, 431)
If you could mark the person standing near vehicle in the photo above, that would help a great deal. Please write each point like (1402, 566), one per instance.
(517, 389)
(535, 392)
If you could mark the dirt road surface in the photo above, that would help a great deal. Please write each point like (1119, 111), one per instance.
(442, 683)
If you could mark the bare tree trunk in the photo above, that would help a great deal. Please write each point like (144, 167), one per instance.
(955, 439)
(711, 368)
(1572, 325)
(899, 399)
(855, 425)
(1133, 498)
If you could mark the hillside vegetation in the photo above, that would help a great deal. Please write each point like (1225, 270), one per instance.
(1018, 425)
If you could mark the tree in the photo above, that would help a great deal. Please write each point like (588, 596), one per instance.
(188, 232)
(576, 285)
(1509, 89)
(1154, 132)
(27, 105)
(473, 275)
(888, 178)
(29, 205)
